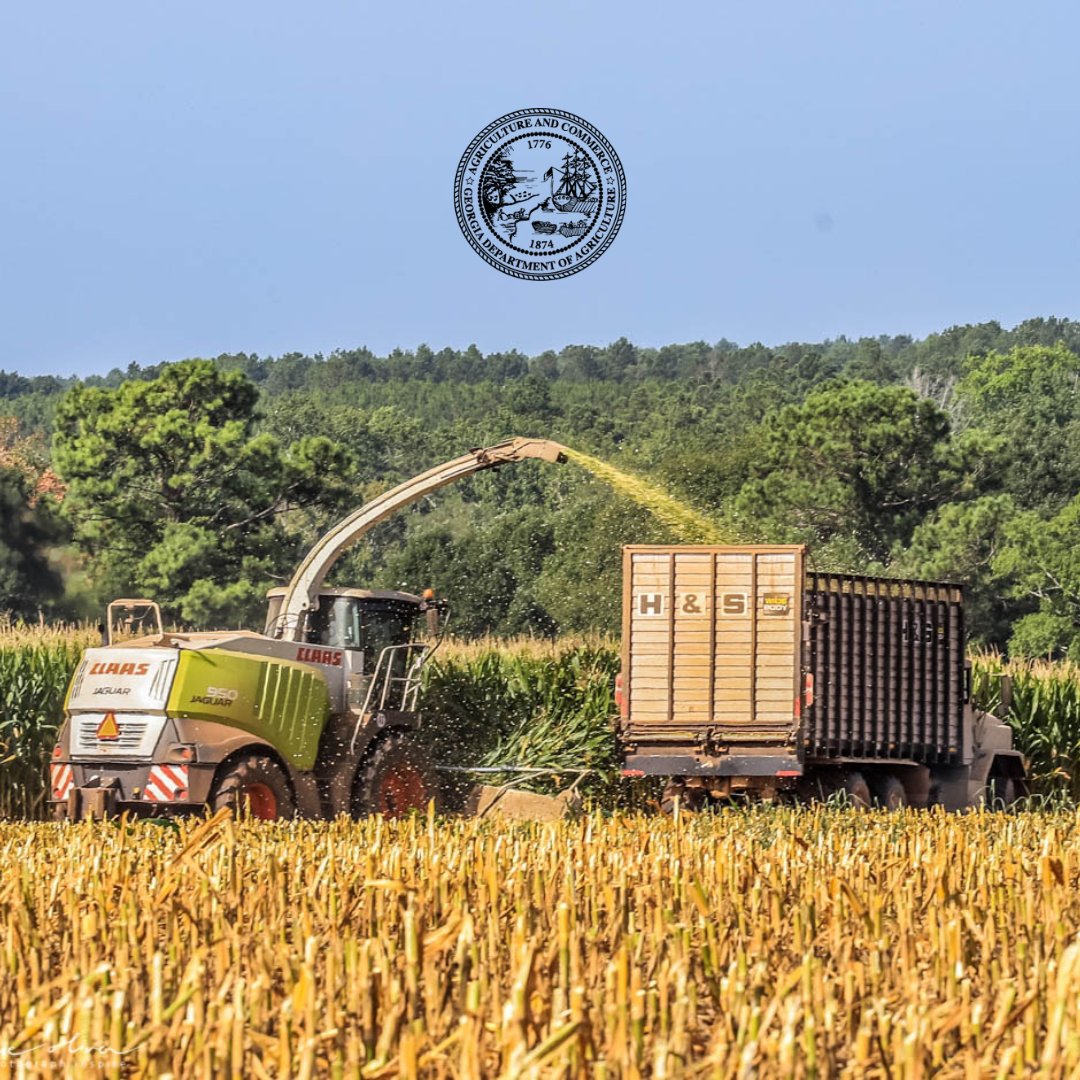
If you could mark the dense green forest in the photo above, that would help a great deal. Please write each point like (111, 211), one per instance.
(956, 456)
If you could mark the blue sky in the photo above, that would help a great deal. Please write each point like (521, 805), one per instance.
(189, 179)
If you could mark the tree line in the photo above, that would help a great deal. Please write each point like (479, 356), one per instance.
(956, 457)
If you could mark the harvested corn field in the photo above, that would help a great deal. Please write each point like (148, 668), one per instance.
(747, 943)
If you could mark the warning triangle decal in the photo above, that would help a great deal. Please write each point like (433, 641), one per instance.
(108, 728)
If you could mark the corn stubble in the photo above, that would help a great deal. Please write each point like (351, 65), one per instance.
(765, 943)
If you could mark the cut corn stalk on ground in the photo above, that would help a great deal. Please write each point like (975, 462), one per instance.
(761, 943)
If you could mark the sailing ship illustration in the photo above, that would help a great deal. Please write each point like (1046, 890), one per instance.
(579, 228)
(577, 191)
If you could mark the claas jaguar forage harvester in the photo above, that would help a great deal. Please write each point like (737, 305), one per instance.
(317, 716)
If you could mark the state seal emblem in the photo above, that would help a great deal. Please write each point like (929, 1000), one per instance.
(540, 194)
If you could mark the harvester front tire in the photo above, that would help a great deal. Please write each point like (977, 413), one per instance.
(396, 778)
(255, 785)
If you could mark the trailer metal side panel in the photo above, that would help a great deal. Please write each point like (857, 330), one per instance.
(711, 643)
(886, 659)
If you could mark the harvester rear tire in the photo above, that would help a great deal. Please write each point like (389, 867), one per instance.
(395, 778)
(254, 784)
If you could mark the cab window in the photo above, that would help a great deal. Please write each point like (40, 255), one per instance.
(348, 622)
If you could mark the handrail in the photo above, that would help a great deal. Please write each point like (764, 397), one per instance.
(411, 681)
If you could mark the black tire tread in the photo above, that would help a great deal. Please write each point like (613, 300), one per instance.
(395, 745)
(1002, 792)
(857, 790)
(252, 768)
(889, 792)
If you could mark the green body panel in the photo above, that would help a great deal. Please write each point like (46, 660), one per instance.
(278, 700)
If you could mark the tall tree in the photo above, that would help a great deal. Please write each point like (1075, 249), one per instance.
(1043, 559)
(962, 542)
(28, 528)
(1030, 397)
(858, 460)
(171, 492)
(498, 179)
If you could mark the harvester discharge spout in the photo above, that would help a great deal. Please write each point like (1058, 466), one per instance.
(519, 449)
(303, 591)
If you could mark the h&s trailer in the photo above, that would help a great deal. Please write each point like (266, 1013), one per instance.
(745, 673)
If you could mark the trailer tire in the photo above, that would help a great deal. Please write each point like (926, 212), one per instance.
(395, 778)
(857, 790)
(254, 784)
(1001, 792)
(889, 792)
(689, 799)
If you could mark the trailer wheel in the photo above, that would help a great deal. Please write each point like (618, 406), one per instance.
(889, 793)
(690, 799)
(1001, 792)
(857, 790)
(396, 778)
(254, 784)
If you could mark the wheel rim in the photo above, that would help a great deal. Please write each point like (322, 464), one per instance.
(401, 790)
(260, 799)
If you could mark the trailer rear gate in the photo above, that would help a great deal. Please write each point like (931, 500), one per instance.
(711, 642)
(713, 647)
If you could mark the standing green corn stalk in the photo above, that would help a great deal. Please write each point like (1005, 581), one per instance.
(36, 665)
(1045, 715)
(526, 703)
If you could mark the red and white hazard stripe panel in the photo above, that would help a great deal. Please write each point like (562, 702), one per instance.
(62, 780)
(167, 783)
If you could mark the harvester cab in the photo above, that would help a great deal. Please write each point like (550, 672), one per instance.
(129, 618)
(367, 638)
